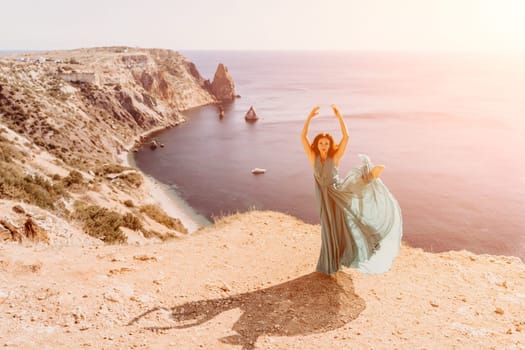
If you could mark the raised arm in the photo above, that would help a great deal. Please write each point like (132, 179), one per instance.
(344, 141)
(304, 136)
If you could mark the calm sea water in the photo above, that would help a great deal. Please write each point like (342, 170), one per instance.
(449, 128)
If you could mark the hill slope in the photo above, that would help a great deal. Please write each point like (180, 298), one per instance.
(66, 120)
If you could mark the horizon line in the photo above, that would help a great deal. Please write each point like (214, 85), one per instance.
(333, 50)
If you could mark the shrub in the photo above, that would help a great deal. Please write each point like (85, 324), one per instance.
(129, 203)
(134, 179)
(161, 217)
(7, 151)
(132, 222)
(101, 223)
(74, 177)
(31, 189)
(37, 194)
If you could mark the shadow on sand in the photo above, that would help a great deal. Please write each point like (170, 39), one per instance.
(312, 303)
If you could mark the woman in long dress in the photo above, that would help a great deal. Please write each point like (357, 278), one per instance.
(361, 223)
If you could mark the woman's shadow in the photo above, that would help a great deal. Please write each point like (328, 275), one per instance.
(312, 303)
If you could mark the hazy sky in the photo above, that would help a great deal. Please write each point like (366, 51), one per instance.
(400, 25)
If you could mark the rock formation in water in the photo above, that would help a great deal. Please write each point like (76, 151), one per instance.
(251, 115)
(222, 86)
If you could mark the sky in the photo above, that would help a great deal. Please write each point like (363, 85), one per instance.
(361, 25)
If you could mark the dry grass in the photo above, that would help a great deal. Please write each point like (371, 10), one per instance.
(74, 177)
(133, 179)
(162, 237)
(132, 222)
(161, 217)
(32, 189)
(8, 152)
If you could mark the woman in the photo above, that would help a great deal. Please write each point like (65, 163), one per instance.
(361, 224)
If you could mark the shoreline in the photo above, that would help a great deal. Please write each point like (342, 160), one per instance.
(162, 193)
(177, 207)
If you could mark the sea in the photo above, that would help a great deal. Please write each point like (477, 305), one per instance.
(449, 128)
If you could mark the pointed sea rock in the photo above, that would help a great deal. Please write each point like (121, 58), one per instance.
(222, 86)
(251, 115)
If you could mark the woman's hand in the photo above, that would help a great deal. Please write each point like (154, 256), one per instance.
(336, 111)
(314, 112)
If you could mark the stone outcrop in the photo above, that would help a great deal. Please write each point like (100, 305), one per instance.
(30, 230)
(9, 232)
(34, 232)
(251, 115)
(222, 86)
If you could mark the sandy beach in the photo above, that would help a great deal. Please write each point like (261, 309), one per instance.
(161, 193)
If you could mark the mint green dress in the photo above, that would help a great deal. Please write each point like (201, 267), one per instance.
(361, 223)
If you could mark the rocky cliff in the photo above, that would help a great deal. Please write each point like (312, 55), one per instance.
(222, 85)
(65, 119)
(84, 106)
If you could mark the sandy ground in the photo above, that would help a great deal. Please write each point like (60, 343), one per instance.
(248, 282)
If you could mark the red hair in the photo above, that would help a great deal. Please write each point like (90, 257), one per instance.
(333, 145)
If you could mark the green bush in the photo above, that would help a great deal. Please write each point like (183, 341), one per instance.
(101, 223)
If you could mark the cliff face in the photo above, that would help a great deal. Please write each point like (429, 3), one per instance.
(65, 119)
(85, 105)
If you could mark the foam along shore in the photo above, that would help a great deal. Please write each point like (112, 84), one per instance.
(164, 194)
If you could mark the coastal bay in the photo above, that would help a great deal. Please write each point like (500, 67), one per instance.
(452, 189)
(245, 280)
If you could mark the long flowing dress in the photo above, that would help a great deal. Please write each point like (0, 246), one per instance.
(361, 222)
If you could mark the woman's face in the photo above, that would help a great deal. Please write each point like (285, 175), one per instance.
(323, 145)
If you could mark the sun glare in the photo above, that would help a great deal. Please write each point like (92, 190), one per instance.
(502, 24)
